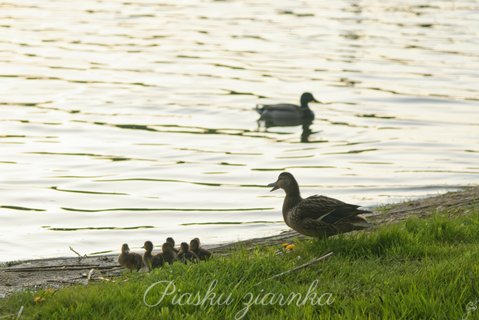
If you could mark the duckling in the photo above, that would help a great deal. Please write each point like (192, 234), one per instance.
(168, 254)
(147, 256)
(285, 114)
(172, 241)
(186, 254)
(129, 259)
(202, 254)
(317, 216)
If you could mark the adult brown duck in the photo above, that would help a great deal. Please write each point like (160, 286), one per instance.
(317, 216)
(129, 260)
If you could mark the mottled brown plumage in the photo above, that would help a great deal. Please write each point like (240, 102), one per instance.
(317, 216)
(167, 253)
(151, 261)
(195, 246)
(186, 254)
(129, 260)
(172, 242)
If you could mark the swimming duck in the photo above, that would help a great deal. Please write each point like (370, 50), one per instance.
(186, 254)
(317, 216)
(172, 241)
(285, 114)
(195, 246)
(129, 259)
(168, 254)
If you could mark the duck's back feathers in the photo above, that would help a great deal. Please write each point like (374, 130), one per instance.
(326, 209)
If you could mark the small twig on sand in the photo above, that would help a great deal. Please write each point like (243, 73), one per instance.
(327, 255)
(79, 255)
(90, 274)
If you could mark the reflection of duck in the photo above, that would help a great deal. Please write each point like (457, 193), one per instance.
(129, 259)
(202, 254)
(186, 254)
(284, 114)
(317, 216)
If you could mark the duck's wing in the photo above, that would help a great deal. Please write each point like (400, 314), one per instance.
(282, 107)
(327, 210)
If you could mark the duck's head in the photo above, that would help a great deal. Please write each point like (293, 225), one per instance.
(171, 240)
(307, 98)
(184, 247)
(125, 248)
(285, 181)
(148, 246)
(195, 244)
(167, 247)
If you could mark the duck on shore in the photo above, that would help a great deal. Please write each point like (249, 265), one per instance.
(286, 114)
(317, 216)
(148, 256)
(186, 254)
(195, 246)
(149, 260)
(129, 260)
(168, 253)
(172, 242)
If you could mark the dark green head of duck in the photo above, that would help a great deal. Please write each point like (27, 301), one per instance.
(307, 98)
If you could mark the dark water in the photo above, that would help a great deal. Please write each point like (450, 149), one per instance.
(128, 121)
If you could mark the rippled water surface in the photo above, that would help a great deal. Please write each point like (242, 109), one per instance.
(128, 121)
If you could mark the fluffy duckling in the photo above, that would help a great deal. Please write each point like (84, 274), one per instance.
(172, 241)
(147, 256)
(186, 254)
(168, 254)
(202, 254)
(129, 259)
(317, 216)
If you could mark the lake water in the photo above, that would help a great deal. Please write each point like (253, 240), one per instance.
(133, 121)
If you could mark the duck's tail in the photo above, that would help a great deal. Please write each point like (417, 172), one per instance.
(360, 223)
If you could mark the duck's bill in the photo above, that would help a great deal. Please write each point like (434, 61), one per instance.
(274, 185)
(316, 101)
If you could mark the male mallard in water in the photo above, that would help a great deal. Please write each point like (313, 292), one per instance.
(129, 259)
(172, 241)
(186, 254)
(167, 252)
(317, 216)
(285, 114)
(195, 246)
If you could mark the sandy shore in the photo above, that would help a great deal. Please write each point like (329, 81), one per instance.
(59, 272)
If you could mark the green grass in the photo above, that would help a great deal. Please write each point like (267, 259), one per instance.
(417, 269)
